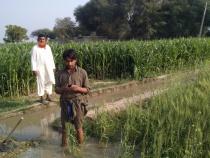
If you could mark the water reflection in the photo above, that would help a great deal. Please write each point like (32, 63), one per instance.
(34, 125)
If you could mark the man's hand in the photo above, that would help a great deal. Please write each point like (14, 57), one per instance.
(72, 88)
(78, 89)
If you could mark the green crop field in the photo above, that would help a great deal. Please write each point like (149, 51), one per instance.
(104, 60)
(175, 124)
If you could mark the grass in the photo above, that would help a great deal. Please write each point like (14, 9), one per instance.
(7, 104)
(104, 60)
(175, 124)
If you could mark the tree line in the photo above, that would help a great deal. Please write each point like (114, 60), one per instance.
(131, 19)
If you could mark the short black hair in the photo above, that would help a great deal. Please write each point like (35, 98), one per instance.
(69, 53)
(41, 35)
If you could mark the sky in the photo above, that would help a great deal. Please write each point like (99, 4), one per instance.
(36, 14)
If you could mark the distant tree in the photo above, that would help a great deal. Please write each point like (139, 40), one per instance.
(114, 19)
(15, 33)
(106, 18)
(87, 16)
(81, 31)
(64, 29)
(45, 31)
(167, 18)
(183, 18)
(142, 19)
(145, 18)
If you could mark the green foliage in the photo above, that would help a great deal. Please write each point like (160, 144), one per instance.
(105, 127)
(50, 34)
(106, 18)
(146, 19)
(15, 73)
(87, 20)
(15, 34)
(174, 124)
(72, 141)
(183, 18)
(10, 104)
(104, 60)
(64, 29)
(142, 19)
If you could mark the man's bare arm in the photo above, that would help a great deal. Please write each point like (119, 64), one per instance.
(72, 88)
(78, 89)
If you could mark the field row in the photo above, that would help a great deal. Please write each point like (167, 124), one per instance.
(104, 60)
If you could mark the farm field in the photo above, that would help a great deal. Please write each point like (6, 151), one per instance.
(104, 60)
(174, 123)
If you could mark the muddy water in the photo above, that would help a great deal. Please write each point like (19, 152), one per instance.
(35, 126)
(125, 93)
(91, 149)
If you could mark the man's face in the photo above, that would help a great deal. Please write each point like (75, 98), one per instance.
(70, 63)
(42, 41)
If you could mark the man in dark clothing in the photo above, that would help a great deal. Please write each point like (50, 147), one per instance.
(72, 84)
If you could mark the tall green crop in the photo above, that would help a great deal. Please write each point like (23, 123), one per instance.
(103, 60)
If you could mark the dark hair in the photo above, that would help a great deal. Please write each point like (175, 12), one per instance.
(42, 35)
(69, 53)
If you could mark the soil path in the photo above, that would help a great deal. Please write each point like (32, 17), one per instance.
(97, 97)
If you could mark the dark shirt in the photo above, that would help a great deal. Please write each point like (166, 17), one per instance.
(78, 77)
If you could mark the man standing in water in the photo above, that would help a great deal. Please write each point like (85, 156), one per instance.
(72, 84)
(43, 67)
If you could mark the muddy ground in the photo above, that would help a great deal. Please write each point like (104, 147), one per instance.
(11, 148)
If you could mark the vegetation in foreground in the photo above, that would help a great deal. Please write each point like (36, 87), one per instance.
(175, 124)
(7, 104)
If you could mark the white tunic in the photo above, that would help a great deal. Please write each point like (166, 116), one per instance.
(42, 61)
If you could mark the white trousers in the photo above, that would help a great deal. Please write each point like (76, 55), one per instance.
(41, 88)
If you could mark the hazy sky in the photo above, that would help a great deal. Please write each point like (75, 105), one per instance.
(36, 14)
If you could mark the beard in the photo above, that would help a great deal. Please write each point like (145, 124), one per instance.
(71, 67)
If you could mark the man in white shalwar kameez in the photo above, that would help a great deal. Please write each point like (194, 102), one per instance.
(43, 67)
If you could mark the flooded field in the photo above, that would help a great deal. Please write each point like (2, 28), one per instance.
(36, 127)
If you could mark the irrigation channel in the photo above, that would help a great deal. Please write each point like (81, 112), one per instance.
(36, 123)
